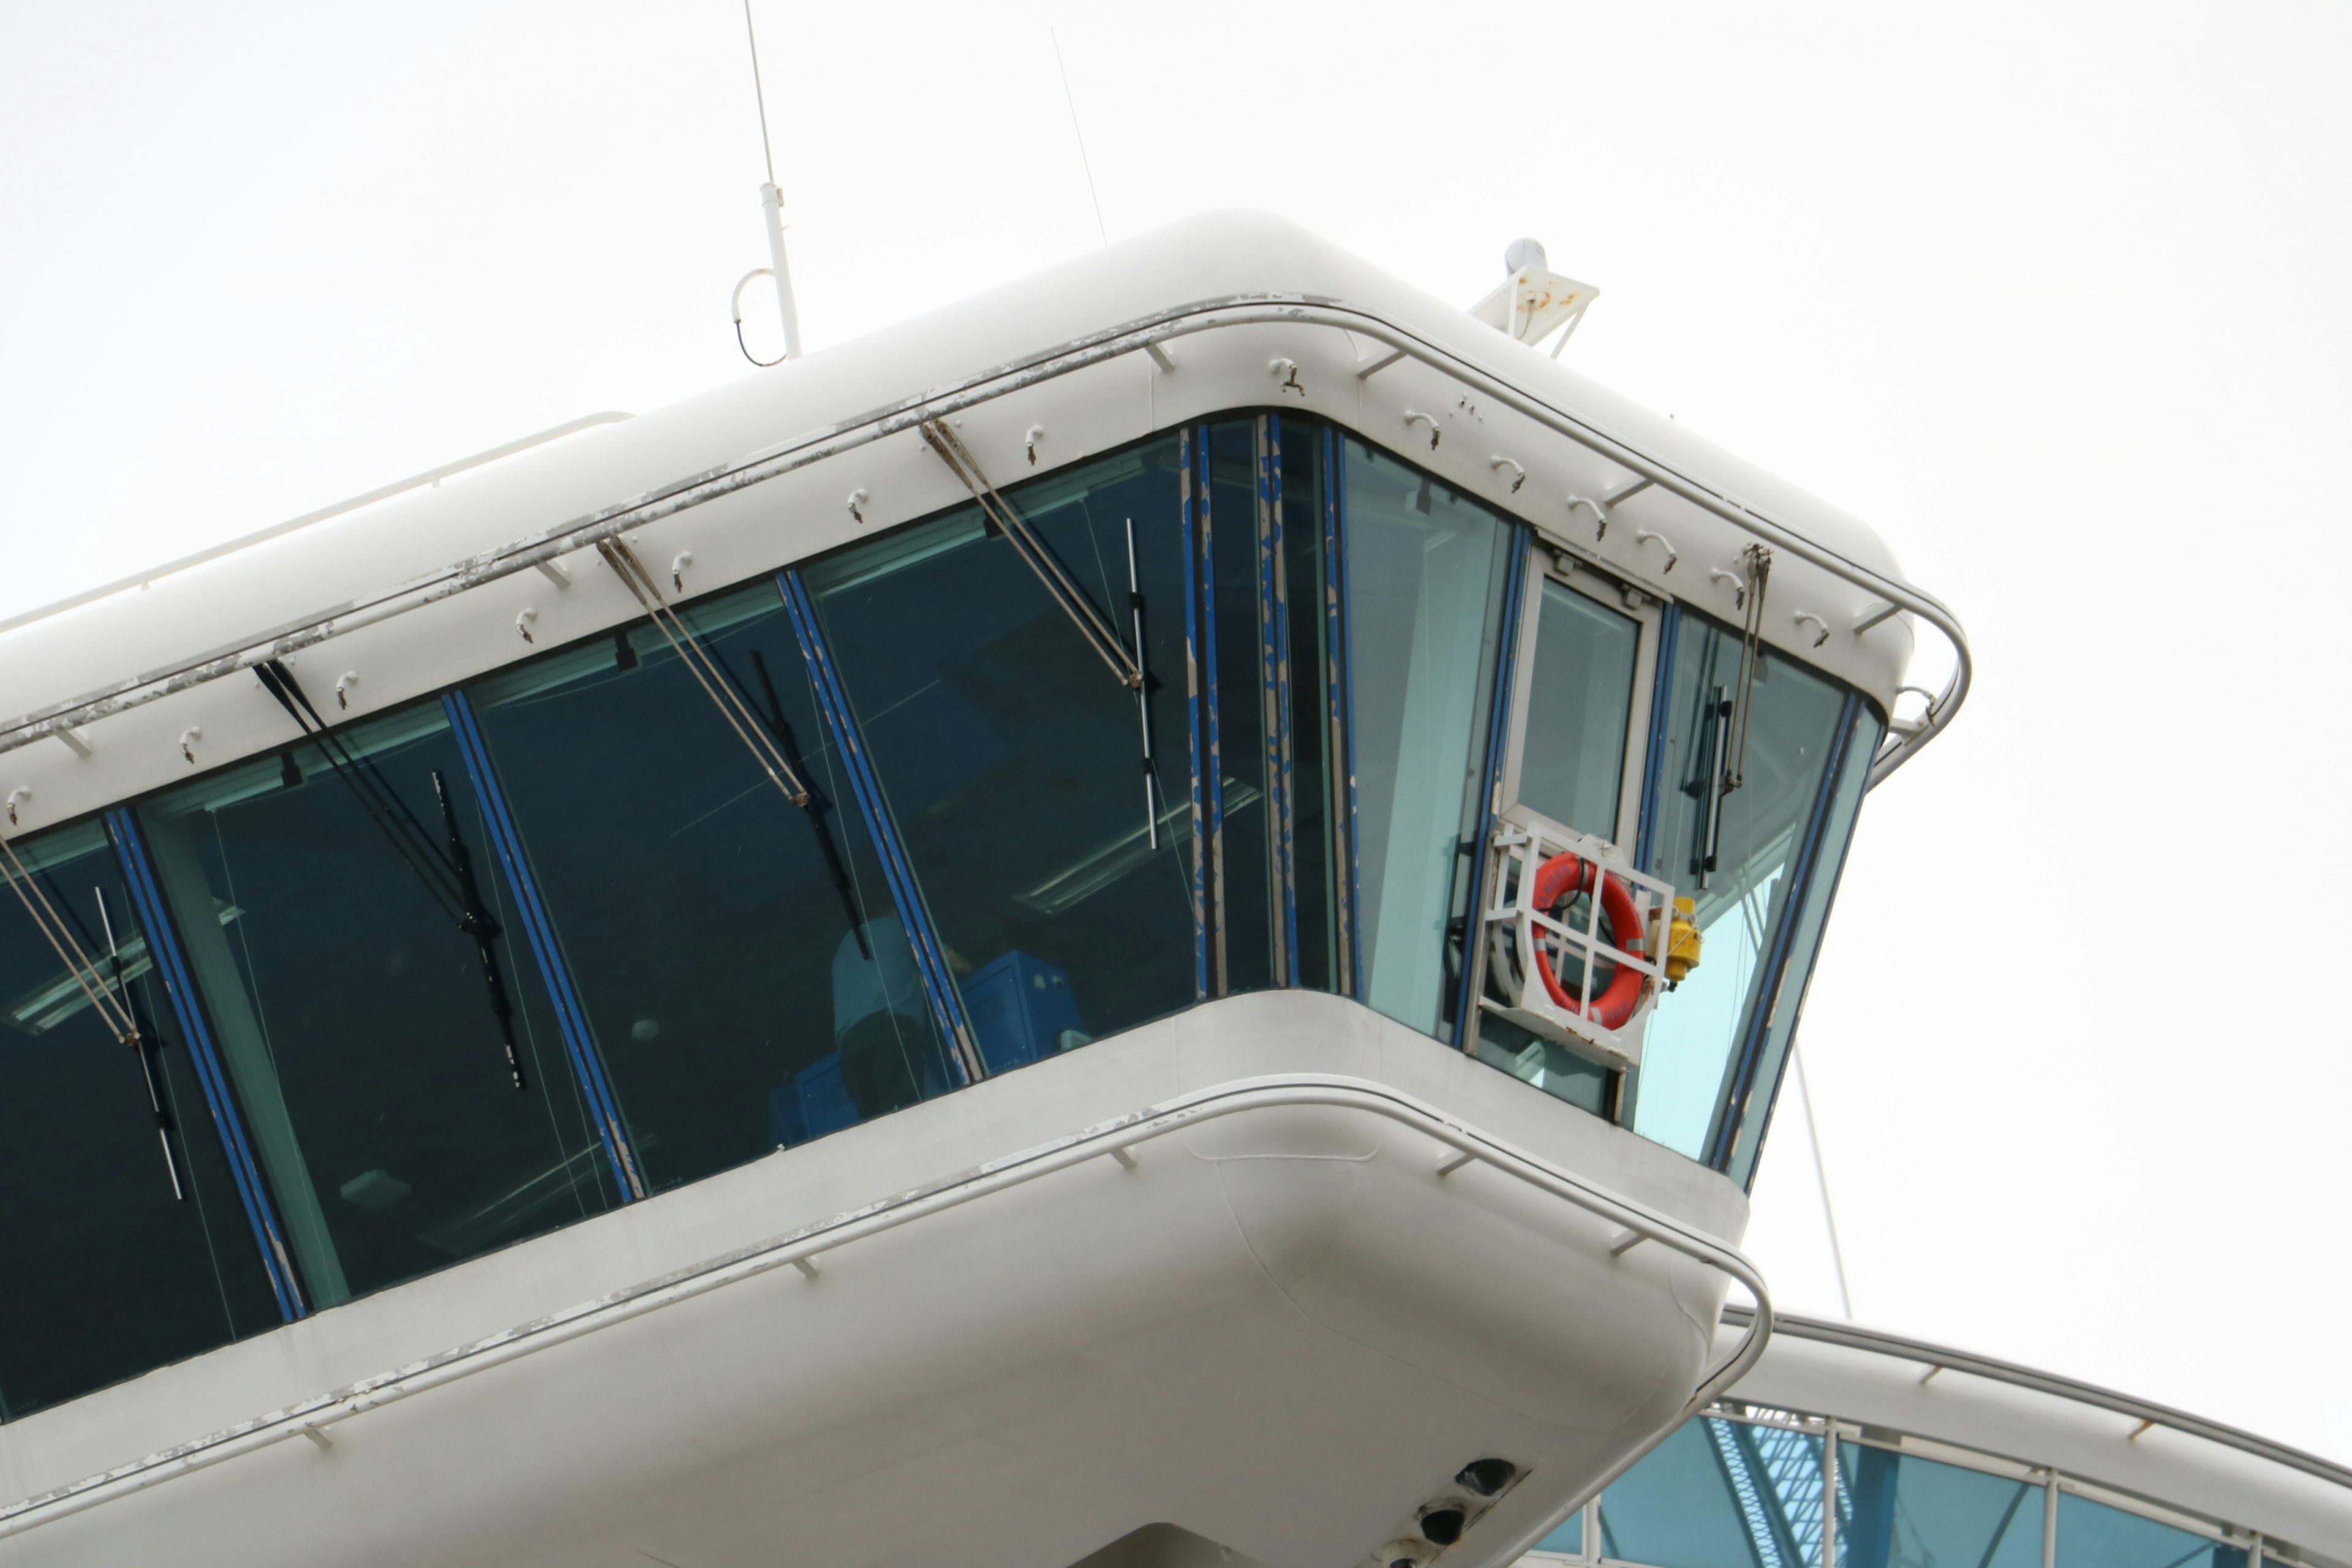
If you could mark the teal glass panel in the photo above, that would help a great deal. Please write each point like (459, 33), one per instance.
(1785, 996)
(1568, 1541)
(1720, 1494)
(107, 1273)
(1579, 708)
(1900, 1511)
(1010, 753)
(1755, 833)
(353, 1015)
(744, 972)
(1425, 574)
(2094, 1535)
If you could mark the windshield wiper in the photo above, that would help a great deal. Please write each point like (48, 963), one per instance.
(446, 876)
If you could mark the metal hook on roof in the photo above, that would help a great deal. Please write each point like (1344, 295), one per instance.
(1414, 416)
(18, 797)
(1738, 586)
(188, 739)
(1036, 434)
(1646, 535)
(1286, 372)
(859, 498)
(1804, 615)
(1600, 515)
(524, 618)
(344, 684)
(1518, 475)
(683, 559)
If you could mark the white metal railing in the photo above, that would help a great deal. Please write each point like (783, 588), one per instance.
(1464, 1145)
(1146, 336)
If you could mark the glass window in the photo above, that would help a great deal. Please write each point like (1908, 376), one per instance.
(1568, 1541)
(742, 965)
(1900, 1511)
(1720, 1494)
(2092, 1535)
(1753, 835)
(1579, 711)
(1011, 758)
(1307, 652)
(1425, 576)
(320, 911)
(1786, 997)
(109, 1272)
(1246, 718)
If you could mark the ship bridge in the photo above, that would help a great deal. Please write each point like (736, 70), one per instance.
(1174, 897)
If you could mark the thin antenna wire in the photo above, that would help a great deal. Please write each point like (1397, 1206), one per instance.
(1822, 1175)
(1075, 130)
(759, 93)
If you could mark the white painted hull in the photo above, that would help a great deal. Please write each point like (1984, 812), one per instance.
(1281, 1329)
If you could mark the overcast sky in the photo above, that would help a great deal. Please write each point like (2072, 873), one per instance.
(2054, 295)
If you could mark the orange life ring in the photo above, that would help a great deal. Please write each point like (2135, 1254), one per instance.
(1561, 879)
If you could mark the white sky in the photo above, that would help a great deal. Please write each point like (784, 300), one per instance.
(2054, 295)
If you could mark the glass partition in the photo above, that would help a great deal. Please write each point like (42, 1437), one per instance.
(1425, 581)
(744, 972)
(1580, 712)
(363, 1026)
(2094, 1535)
(1009, 754)
(1734, 851)
(124, 1242)
(1901, 1511)
(1720, 1494)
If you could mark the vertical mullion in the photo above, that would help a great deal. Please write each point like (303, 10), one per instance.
(538, 929)
(1654, 758)
(1194, 738)
(1212, 740)
(1339, 673)
(1770, 977)
(1274, 693)
(1498, 724)
(163, 946)
(833, 703)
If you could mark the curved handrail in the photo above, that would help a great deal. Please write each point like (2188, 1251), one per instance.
(1992, 1368)
(801, 1248)
(291, 525)
(1137, 337)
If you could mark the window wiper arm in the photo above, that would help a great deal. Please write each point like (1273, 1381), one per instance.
(141, 1046)
(446, 875)
(1059, 586)
(817, 805)
(476, 922)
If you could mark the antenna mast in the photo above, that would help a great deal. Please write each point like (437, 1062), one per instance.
(771, 207)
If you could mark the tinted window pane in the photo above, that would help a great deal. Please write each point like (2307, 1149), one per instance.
(354, 1017)
(742, 967)
(1010, 754)
(1900, 1510)
(1579, 705)
(1720, 1494)
(1425, 570)
(1568, 1541)
(1244, 716)
(1308, 647)
(2092, 1535)
(1680, 1085)
(108, 1274)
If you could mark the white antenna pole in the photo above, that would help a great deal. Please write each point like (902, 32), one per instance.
(771, 206)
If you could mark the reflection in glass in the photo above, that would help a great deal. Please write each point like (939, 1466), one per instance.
(1425, 572)
(740, 963)
(108, 1274)
(1900, 1511)
(1010, 757)
(354, 1016)
(1720, 1494)
(1308, 652)
(1579, 708)
(1757, 831)
(2092, 1535)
